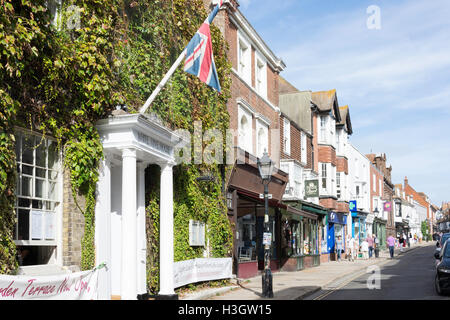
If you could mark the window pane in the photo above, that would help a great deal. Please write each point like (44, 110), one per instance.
(39, 190)
(52, 191)
(52, 155)
(38, 204)
(27, 149)
(41, 154)
(49, 225)
(52, 174)
(24, 202)
(40, 173)
(24, 224)
(26, 187)
(27, 170)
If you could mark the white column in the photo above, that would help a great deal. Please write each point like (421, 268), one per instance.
(103, 229)
(166, 231)
(128, 289)
(141, 232)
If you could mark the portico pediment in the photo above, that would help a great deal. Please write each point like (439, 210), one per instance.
(152, 141)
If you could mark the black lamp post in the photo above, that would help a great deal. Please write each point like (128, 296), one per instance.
(375, 212)
(265, 167)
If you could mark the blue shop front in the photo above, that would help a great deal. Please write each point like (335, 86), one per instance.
(335, 228)
(359, 230)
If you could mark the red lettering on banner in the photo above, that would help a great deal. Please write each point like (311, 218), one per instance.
(44, 290)
(8, 291)
(81, 285)
(30, 282)
(63, 287)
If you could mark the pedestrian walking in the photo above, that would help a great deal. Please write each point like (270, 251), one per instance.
(339, 248)
(351, 249)
(365, 249)
(356, 247)
(390, 243)
(400, 243)
(376, 246)
(370, 243)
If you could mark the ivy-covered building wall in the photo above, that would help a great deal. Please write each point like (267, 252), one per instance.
(65, 67)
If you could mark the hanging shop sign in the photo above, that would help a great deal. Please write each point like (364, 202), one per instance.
(352, 205)
(201, 269)
(311, 188)
(387, 206)
(337, 217)
(69, 286)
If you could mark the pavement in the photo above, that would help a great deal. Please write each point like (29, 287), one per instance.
(298, 284)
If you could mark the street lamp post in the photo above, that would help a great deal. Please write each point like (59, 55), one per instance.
(265, 167)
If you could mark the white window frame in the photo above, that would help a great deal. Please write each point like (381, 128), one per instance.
(338, 185)
(196, 233)
(262, 146)
(338, 142)
(260, 75)
(286, 136)
(44, 205)
(244, 57)
(323, 128)
(323, 177)
(374, 183)
(381, 188)
(55, 7)
(245, 135)
(303, 148)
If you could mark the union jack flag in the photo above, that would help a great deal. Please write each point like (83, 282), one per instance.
(199, 59)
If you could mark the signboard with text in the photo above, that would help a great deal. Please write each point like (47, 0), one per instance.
(201, 269)
(70, 286)
(311, 188)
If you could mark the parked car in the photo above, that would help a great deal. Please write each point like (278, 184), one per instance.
(442, 240)
(442, 278)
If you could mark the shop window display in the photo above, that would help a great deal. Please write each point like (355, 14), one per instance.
(291, 238)
(247, 238)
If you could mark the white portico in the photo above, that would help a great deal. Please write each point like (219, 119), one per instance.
(131, 142)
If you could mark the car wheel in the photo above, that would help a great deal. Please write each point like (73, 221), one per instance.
(437, 286)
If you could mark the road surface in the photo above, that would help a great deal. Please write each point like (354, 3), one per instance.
(408, 276)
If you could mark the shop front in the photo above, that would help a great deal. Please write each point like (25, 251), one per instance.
(379, 229)
(402, 228)
(359, 227)
(335, 229)
(299, 240)
(246, 212)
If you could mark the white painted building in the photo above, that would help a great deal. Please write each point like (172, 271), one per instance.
(359, 184)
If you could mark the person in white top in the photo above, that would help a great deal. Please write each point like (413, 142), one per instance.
(365, 249)
(351, 248)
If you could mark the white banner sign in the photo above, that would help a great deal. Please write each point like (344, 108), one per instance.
(70, 286)
(201, 269)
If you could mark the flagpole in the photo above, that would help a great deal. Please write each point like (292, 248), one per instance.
(171, 71)
(163, 82)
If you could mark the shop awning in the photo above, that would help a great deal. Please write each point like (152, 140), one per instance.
(314, 210)
(299, 212)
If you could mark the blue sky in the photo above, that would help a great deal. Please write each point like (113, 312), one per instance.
(396, 80)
